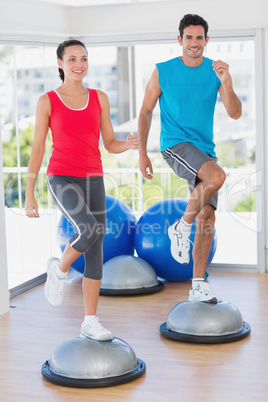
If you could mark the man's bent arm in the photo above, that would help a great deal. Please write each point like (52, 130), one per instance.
(230, 100)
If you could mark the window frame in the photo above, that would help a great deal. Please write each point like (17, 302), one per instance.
(259, 36)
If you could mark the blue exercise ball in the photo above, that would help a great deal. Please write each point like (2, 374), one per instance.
(120, 229)
(153, 244)
(119, 235)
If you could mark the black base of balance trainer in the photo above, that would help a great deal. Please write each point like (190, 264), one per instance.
(128, 275)
(134, 291)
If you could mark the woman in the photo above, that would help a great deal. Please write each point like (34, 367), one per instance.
(76, 115)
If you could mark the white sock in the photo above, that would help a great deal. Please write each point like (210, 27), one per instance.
(87, 318)
(184, 226)
(197, 280)
(60, 274)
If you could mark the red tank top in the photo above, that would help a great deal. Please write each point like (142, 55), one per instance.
(75, 137)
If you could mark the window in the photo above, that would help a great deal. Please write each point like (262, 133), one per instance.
(236, 147)
(123, 72)
(26, 253)
(236, 223)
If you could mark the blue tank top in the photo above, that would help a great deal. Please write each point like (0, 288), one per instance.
(187, 104)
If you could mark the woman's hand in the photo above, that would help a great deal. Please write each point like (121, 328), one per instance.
(132, 141)
(31, 207)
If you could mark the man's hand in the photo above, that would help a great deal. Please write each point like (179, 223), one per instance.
(145, 165)
(222, 71)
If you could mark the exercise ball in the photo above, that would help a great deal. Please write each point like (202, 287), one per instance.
(128, 275)
(202, 322)
(82, 362)
(119, 235)
(153, 244)
(120, 229)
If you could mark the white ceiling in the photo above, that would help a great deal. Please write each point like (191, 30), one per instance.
(95, 2)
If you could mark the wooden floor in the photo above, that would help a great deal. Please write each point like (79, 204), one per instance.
(175, 371)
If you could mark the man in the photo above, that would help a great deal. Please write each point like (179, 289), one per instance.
(187, 89)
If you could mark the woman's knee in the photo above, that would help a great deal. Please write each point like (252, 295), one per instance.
(88, 234)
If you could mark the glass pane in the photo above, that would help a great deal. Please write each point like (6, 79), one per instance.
(51, 73)
(235, 147)
(109, 72)
(164, 184)
(103, 74)
(7, 110)
(30, 242)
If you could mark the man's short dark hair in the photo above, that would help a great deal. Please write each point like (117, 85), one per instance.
(192, 19)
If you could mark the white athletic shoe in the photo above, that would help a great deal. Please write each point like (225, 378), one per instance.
(202, 291)
(54, 285)
(94, 330)
(180, 244)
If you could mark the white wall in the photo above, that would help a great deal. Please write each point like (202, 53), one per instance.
(22, 18)
(164, 16)
(30, 19)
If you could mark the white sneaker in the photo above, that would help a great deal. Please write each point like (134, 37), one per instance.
(180, 244)
(54, 285)
(202, 291)
(94, 330)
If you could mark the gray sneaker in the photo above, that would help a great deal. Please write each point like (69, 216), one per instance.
(54, 285)
(202, 291)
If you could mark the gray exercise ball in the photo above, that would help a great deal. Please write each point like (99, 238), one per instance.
(128, 274)
(82, 362)
(205, 323)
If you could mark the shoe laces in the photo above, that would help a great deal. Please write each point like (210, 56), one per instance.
(207, 289)
(184, 239)
(95, 323)
(185, 242)
(60, 285)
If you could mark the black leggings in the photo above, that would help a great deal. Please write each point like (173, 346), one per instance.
(82, 201)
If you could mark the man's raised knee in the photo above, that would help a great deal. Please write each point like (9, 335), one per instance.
(218, 178)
